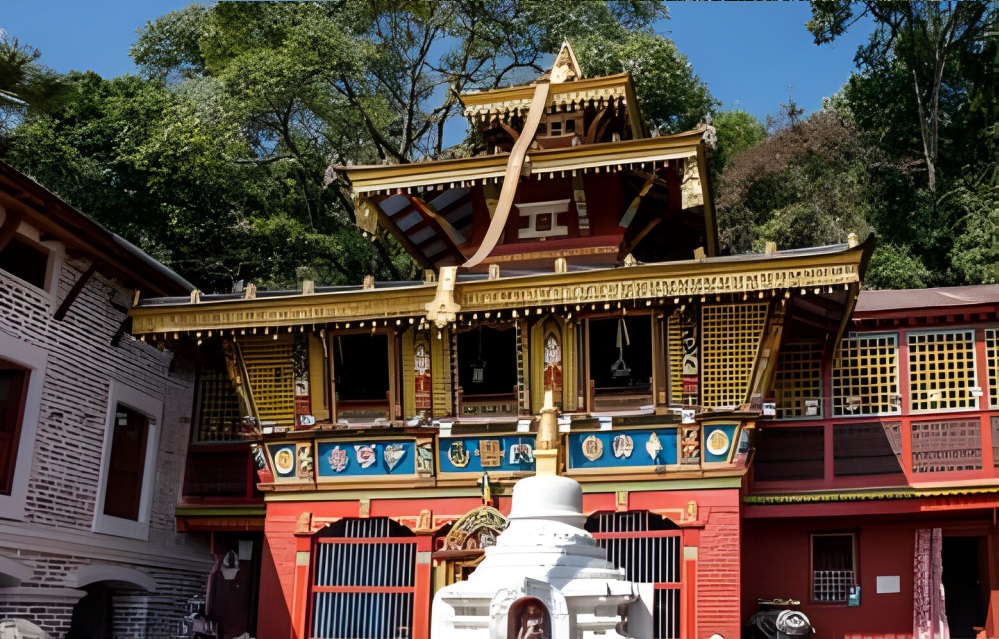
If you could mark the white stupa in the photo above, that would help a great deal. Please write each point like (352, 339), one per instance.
(546, 577)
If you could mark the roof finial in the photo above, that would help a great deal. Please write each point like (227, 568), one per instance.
(566, 67)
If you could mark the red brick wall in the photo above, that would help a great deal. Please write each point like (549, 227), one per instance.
(718, 572)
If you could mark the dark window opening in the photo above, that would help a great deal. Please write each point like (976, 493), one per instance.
(621, 362)
(834, 568)
(123, 491)
(25, 260)
(13, 387)
(361, 367)
(789, 453)
(487, 361)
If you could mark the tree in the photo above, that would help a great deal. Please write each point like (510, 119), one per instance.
(216, 159)
(809, 184)
(923, 37)
(25, 84)
(672, 97)
(737, 131)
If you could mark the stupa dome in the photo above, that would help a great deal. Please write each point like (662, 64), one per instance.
(552, 498)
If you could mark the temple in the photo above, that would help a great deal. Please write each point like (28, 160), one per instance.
(363, 441)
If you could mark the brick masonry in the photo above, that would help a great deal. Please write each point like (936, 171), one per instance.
(55, 537)
(718, 574)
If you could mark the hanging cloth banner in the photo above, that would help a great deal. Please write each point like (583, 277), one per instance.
(929, 616)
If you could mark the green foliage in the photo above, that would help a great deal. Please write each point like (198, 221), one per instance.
(806, 185)
(922, 42)
(217, 160)
(737, 131)
(25, 84)
(673, 98)
(895, 267)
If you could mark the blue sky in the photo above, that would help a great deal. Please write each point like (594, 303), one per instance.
(750, 54)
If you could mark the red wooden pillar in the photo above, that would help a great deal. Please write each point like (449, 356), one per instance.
(424, 585)
(300, 587)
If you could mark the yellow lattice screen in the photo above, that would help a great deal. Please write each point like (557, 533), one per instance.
(271, 372)
(730, 338)
(798, 387)
(675, 350)
(941, 370)
(865, 376)
(992, 348)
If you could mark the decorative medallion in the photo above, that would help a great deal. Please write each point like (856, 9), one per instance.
(365, 455)
(392, 455)
(521, 453)
(717, 443)
(458, 455)
(338, 459)
(424, 459)
(593, 448)
(623, 445)
(490, 454)
(653, 447)
(690, 445)
(284, 460)
(305, 465)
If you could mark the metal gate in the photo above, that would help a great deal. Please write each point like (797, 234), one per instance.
(647, 546)
(363, 580)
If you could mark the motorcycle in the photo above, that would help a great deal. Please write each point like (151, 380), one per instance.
(777, 619)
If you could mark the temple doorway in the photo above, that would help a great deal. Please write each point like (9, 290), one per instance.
(964, 590)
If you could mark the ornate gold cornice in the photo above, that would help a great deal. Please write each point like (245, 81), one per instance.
(658, 281)
(290, 310)
(605, 156)
(519, 97)
(808, 273)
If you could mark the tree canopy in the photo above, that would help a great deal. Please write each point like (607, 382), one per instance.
(220, 157)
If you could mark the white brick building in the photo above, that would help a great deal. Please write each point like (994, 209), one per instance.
(94, 428)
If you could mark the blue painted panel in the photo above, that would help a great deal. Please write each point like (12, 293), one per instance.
(642, 449)
(365, 459)
(718, 446)
(516, 454)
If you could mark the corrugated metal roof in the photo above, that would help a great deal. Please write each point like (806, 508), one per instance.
(874, 301)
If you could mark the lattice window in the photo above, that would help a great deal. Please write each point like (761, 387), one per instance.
(942, 370)
(675, 350)
(946, 446)
(798, 387)
(992, 348)
(833, 566)
(865, 376)
(218, 408)
(271, 372)
(731, 337)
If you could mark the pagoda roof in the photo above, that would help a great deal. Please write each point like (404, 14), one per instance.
(390, 178)
(834, 270)
(569, 95)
